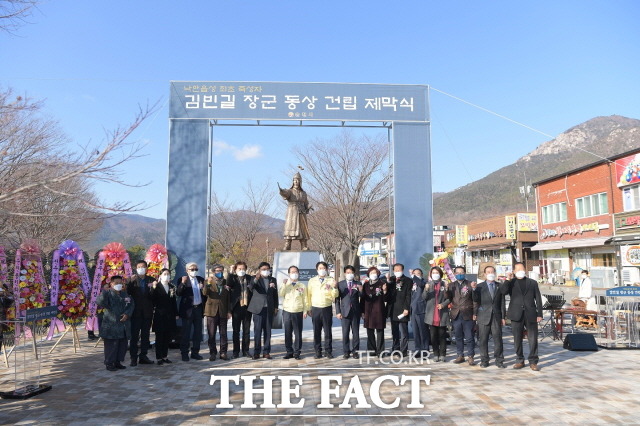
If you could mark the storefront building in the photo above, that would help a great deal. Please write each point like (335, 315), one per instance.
(587, 218)
(501, 241)
(626, 217)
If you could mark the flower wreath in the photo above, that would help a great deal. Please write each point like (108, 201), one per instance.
(157, 259)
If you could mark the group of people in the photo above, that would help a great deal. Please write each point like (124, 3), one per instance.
(141, 304)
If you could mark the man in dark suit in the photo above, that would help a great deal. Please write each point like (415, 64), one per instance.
(263, 306)
(489, 312)
(462, 315)
(525, 310)
(138, 287)
(191, 311)
(349, 311)
(400, 287)
(239, 298)
(421, 337)
(216, 311)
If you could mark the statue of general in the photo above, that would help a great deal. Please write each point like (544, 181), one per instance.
(295, 223)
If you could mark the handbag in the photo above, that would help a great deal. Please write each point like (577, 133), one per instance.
(277, 320)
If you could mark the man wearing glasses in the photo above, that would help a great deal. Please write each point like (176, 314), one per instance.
(191, 311)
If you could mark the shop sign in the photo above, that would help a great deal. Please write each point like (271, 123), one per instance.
(574, 229)
(510, 226)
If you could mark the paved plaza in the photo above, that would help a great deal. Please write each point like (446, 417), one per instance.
(571, 388)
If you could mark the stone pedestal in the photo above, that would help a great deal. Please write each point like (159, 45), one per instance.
(304, 260)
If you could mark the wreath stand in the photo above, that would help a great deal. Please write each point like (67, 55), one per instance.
(74, 333)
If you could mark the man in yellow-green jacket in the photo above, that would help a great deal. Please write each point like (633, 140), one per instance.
(294, 310)
(321, 293)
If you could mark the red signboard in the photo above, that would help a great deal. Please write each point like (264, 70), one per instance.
(628, 170)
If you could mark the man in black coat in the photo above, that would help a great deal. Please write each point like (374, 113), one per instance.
(349, 311)
(191, 311)
(239, 299)
(400, 287)
(263, 306)
(525, 310)
(489, 312)
(139, 287)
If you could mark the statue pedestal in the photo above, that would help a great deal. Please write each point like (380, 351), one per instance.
(304, 260)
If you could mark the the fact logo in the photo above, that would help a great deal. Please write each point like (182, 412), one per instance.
(330, 387)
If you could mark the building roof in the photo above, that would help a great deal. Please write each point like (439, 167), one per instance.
(588, 166)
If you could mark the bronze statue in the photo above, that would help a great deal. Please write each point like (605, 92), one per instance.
(295, 223)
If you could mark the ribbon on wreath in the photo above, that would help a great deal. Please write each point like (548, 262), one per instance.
(92, 320)
(56, 323)
(16, 289)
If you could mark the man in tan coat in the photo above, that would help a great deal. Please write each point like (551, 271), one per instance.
(216, 311)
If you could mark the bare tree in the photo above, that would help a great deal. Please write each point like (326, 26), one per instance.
(14, 13)
(52, 217)
(236, 225)
(348, 181)
(31, 144)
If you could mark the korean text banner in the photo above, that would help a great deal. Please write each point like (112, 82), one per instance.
(298, 101)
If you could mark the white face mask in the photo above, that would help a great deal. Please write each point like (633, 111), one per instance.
(520, 274)
(265, 272)
(435, 277)
(398, 274)
(583, 276)
(294, 276)
(322, 272)
(164, 279)
(491, 277)
(349, 277)
(373, 276)
(242, 273)
(192, 274)
(117, 287)
(141, 271)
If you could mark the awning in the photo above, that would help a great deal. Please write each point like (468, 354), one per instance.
(556, 245)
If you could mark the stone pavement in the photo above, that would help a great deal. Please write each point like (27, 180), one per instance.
(572, 388)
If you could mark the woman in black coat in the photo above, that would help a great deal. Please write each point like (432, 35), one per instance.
(163, 295)
(437, 311)
(374, 310)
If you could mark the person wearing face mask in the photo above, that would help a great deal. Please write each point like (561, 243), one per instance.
(525, 310)
(375, 295)
(400, 287)
(294, 310)
(585, 286)
(461, 314)
(263, 306)
(349, 311)
(216, 312)
(191, 311)
(139, 287)
(490, 313)
(165, 313)
(321, 293)
(421, 337)
(115, 329)
(239, 296)
(436, 313)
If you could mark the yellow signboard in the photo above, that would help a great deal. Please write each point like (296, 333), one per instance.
(527, 222)
(462, 237)
(510, 226)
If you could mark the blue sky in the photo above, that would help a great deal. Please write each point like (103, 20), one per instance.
(548, 64)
